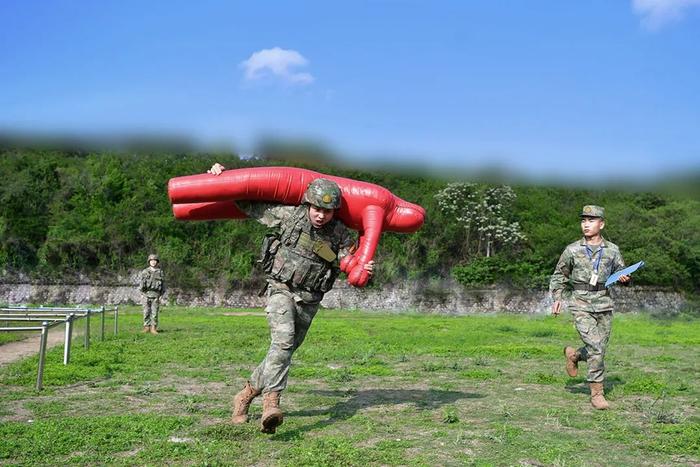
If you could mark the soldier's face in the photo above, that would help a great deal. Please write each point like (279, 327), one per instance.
(320, 216)
(591, 226)
(153, 263)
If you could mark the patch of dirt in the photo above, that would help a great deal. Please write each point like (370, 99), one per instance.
(18, 411)
(184, 385)
(130, 453)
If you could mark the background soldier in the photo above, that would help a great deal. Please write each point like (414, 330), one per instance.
(301, 264)
(152, 286)
(579, 278)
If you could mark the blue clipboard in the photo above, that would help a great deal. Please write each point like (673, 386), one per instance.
(628, 270)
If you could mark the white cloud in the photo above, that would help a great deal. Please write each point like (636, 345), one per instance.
(657, 13)
(279, 63)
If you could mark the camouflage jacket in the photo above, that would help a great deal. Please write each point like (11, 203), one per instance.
(570, 281)
(299, 255)
(152, 282)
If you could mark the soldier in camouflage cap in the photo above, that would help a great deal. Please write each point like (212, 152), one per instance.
(593, 211)
(301, 262)
(579, 280)
(152, 286)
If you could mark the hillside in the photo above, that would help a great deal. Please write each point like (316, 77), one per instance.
(66, 214)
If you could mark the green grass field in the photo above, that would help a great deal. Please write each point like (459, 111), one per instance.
(365, 389)
(6, 337)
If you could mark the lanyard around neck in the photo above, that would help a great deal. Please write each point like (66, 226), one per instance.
(589, 253)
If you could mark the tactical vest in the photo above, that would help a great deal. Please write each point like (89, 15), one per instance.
(294, 258)
(152, 281)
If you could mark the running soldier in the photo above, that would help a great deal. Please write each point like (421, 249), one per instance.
(301, 263)
(579, 280)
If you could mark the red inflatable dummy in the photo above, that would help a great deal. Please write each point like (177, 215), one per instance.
(368, 208)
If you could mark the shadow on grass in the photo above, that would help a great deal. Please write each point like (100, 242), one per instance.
(579, 385)
(358, 400)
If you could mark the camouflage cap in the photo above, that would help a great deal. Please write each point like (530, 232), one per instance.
(593, 211)
(323, 193)
(153, 256)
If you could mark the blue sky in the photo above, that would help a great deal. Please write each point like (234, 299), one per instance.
(576, 90)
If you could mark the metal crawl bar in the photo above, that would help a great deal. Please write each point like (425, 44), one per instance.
(44, 328)
(50, 317)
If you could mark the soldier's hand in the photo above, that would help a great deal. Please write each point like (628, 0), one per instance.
(624, 279)
(556, 308)
(369, 267)
(216, 169)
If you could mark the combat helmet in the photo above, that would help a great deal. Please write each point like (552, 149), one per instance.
(323, 193)
(153, 256)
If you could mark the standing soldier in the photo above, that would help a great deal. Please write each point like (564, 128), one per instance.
(301, 264)
(152, 287)
(579, 279)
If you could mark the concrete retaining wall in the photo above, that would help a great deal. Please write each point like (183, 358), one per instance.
(446, 298)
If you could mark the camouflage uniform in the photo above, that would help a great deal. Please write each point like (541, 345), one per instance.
(301, 264)
(590, 305)
(152, 286)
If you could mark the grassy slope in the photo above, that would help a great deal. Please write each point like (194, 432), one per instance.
(365, 389)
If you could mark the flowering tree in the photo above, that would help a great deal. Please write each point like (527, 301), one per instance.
(483, 213)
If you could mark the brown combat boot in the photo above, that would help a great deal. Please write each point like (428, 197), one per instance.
(241, 403)
(572, 358)
(272, 416)
(146, 329)
(598, 397)
(154, 330)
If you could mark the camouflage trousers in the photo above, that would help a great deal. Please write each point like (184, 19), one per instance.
(289, 319)
(151, 306)
(594, 330)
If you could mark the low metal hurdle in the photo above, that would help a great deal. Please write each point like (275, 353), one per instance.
(79, 312)
(55, 318)
(44, 328)
(102, 310)
(50, 317)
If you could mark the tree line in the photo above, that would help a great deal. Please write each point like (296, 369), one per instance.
(67, 215)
